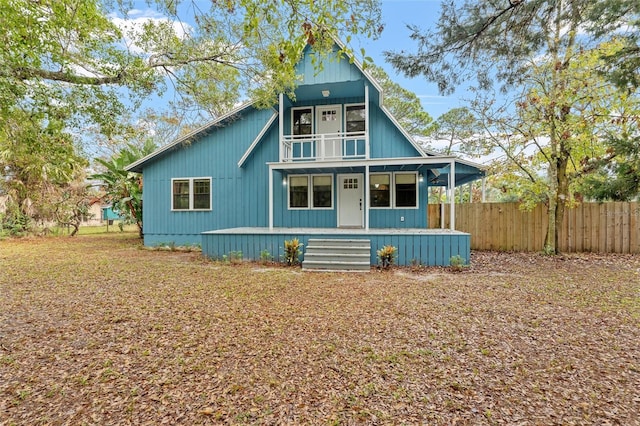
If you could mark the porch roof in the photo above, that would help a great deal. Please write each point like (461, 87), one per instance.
(437, 167)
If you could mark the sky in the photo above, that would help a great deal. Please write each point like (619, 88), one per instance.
(396, 15)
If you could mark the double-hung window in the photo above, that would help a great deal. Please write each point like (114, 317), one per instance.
(322, 191)
(310, 191)
(406, 188)
(298, 192)
(190, 194)
(380, 190)
(399, 190)
(302, 121)
(355, 118)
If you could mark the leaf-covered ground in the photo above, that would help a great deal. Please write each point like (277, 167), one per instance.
(94, 330)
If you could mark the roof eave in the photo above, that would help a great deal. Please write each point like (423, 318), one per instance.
(137, 166)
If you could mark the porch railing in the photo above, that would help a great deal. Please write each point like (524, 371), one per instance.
(325, 147)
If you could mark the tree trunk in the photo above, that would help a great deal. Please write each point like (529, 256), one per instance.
(551, 237)
(558, 198)
(563, 196)
(550, 241)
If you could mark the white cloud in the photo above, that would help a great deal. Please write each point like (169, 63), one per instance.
(433, 99)
(132, 25)
(147, 13)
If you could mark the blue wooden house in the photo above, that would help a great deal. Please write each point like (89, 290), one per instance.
(332, 168)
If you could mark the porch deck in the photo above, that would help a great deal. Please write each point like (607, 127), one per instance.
(415, 245)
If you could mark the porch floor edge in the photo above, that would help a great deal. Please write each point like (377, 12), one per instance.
(335, 231)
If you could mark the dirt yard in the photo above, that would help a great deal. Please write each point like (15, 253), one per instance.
(95, 330)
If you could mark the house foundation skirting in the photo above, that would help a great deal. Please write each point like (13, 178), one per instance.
(432, 247)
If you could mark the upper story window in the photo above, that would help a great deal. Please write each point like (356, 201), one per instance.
(191, 194)
(302, 121)
(355, 118)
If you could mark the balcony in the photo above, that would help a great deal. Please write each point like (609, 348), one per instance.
(325, 147)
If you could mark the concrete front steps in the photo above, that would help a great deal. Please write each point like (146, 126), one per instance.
(337, 255)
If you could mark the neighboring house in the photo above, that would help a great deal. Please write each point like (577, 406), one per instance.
(94, 213)
(333, 164)
(99, 213)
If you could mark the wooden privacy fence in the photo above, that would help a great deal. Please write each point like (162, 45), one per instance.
(590, 227)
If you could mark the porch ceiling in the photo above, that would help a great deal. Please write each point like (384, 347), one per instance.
(361, 169)
(345, 89)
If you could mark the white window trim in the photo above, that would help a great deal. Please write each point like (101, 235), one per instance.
(289, 192)
(344, 124)
(191, 179)
(313, 120)
(417, 206)
(310, 191)
(391, 192)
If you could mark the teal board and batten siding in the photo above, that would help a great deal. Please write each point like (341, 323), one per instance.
(239, 195)
(332, 71)
(433, 249)
(386, 140)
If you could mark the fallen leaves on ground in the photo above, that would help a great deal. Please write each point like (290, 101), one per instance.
(94, 330)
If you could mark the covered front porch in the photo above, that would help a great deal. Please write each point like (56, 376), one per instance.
(369, 194)
(433, 247)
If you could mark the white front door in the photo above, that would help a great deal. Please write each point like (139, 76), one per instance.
(329, 120)
(350, 200)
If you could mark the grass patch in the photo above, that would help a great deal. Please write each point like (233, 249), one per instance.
(104, 229)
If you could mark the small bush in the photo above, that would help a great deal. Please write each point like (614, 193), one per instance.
(265, 256)
(387, 256)
(457, 263)
(235, 256)
(292, 251)
(14, 223)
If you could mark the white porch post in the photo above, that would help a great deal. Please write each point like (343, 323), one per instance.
(366, 123)
(366, 197)
(452, 200)
(471, 192)
(446, 193)
(270, 197)
(280, 126)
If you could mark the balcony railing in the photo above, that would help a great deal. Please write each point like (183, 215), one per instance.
(325, 147)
